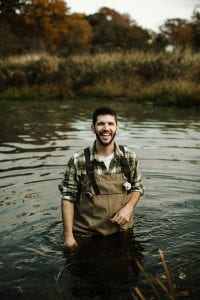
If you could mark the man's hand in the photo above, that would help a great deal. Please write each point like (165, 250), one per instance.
(68, 215)
(70, 243)
(122, 216)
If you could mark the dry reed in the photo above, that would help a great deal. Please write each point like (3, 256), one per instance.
(162, 78)
(164, 285)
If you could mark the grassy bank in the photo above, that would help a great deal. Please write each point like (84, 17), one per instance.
(164, 78)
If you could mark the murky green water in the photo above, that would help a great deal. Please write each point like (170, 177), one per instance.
(36, 141)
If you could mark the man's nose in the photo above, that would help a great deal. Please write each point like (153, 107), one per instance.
(106, 126)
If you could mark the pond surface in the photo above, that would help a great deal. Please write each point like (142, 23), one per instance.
(36, 141)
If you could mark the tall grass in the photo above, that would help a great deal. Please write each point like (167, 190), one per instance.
(163, 78)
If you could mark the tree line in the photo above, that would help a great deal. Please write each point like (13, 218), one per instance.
(28, 26)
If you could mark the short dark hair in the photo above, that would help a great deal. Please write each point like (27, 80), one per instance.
(104, 110)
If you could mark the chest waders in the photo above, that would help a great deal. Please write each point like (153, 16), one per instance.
(100, 198)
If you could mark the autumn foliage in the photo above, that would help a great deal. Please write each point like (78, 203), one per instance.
(28, 26)
(42, 25)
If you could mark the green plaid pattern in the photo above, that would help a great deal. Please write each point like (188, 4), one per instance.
(75, 170)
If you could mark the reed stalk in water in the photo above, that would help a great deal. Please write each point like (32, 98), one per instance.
(166, 286)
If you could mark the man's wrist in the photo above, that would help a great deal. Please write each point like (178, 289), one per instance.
(68, 234)
(134, 197)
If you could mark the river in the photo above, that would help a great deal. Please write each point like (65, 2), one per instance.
(37, 139)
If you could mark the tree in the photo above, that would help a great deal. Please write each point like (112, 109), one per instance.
(195, 25)
(159, 41)
(11, 23)
(177, 32)
(78, 35)
(59, 31)
(12, 7)
(114, 30)
(35, 25)
(46, 20)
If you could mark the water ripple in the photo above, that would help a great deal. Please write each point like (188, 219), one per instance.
(33, 159)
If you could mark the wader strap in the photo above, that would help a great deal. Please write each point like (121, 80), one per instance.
(90, 171)
(124, 164)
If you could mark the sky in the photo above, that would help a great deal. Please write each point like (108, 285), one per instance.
(149, 14)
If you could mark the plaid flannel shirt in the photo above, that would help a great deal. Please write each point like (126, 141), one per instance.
(75, 170)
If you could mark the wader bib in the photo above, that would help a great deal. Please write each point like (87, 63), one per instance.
(101, 197)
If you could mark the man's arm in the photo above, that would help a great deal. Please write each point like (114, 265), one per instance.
(68, 217)
(124, 214)
(69, 189)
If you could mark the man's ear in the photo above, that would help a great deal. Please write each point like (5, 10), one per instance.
(117, 131)
(92, 128)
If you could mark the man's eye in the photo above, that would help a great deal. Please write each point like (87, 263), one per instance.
(102, 124)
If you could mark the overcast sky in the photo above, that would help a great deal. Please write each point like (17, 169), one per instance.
(149, 14)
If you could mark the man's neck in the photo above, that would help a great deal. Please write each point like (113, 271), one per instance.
(104, 150)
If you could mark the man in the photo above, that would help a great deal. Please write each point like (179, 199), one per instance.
(102, 184)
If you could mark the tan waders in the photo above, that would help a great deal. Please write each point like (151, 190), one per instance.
(93, 212)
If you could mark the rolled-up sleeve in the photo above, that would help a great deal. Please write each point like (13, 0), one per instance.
(69, 185)
(136, 177)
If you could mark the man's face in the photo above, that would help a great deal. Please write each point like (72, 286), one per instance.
(105, 129)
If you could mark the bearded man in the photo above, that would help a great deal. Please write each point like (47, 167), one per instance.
(101, 186)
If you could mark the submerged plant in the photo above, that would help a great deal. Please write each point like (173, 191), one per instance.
(164, 285)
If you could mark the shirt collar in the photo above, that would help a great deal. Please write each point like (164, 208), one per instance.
(93, 154)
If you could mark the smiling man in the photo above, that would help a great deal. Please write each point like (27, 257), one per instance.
(101, 186)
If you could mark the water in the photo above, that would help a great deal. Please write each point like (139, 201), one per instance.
(36, 141)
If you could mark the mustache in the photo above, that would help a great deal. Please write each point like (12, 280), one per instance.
(104, 131)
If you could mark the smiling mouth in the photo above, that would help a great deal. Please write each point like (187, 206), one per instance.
(105, 137)
(105, 134)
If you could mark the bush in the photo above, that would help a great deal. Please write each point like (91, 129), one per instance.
(164, 78)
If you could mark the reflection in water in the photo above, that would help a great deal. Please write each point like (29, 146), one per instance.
(36, 141)
(105, 266)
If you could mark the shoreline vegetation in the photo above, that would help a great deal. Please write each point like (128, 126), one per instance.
(165, 78)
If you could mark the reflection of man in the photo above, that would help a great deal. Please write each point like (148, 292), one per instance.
(104, 268)
(101, 185)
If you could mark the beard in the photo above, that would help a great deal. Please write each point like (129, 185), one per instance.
(98, 136)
